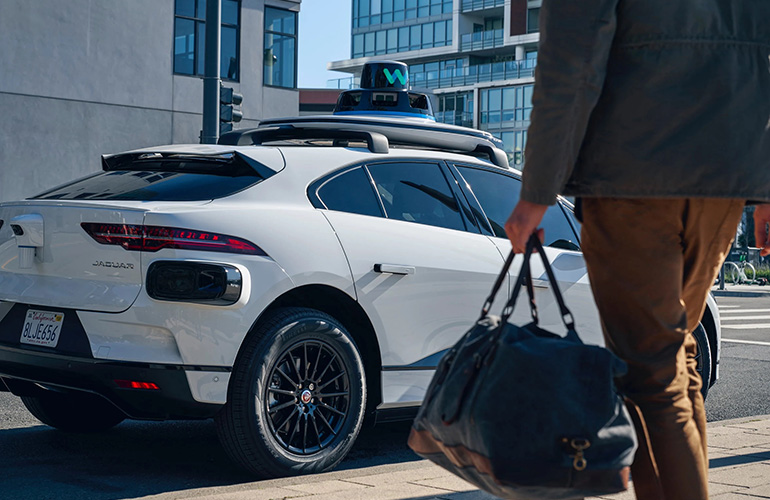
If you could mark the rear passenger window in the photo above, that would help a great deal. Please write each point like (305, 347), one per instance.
(350, 192)
(417, 192)
(498, 194)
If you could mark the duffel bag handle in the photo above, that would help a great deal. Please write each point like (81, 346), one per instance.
(525, 279)
(497, 285)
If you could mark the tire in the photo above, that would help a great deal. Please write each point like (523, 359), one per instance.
(273, 424)
(74, 412)
(703, 357)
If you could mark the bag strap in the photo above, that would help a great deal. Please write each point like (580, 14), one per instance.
(498, 283)
(525, 279)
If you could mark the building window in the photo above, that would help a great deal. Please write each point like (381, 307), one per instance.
(280, 60)
(533, 23)
(414, 37)
(190, 38)
(375, 12)
(455, 109)
(510, 105)
(505, 113)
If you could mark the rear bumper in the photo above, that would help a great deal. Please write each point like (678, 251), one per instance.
(24, 370)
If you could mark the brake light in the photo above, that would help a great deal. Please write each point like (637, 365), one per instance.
(133, 384)
(154, 238)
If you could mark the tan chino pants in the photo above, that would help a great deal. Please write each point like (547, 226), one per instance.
(651, 263)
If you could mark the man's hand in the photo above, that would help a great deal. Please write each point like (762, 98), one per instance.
(523, 222)
(761, 220)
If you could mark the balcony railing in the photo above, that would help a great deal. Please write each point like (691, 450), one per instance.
(458, 77)
(481, 40)
(342, 83)
(470, 75)
(462, 118)
(471, 5)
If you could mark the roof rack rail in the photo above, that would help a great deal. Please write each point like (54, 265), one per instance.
(379, 133)
(375, 142)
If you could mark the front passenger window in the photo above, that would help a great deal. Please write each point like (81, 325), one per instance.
(417, 192)
(498, 194)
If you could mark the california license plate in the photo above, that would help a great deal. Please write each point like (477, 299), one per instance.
(42, 328)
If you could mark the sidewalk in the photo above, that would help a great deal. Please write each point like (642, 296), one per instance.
(739, 452)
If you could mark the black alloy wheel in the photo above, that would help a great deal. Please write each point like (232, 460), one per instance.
(296, 398)
(308, 398)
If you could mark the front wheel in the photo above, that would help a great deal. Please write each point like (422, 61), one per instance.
(703, 358)
(297, 396)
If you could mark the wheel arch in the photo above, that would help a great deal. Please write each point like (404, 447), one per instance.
(345, 309)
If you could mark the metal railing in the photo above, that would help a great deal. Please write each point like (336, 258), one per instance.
(471, 5)
(482, 40)
(464, 119)
(346, 83)
(457, 77)
(469, 75)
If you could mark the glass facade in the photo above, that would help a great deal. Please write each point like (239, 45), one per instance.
(280, 58)
(190, 35)
(455, 109)
(374, 12)
(505, 112)
(457, 74)
(402, 39)
(484, 80)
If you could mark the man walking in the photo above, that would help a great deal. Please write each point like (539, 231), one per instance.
(656, 116)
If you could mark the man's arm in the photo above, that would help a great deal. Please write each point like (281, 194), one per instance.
(761, 221)
(575, 42)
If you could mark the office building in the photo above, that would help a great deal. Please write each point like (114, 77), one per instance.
(477, 57)
(82, 78)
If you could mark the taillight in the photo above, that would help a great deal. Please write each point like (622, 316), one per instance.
(133, 384)
(153, 238)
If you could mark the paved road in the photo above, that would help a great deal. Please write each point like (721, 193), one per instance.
(744, 385)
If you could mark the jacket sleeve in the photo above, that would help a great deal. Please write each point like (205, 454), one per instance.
(575, 41)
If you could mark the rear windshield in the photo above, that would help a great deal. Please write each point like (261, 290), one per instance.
(160, 180)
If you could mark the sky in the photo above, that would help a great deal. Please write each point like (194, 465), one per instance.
(324, 35)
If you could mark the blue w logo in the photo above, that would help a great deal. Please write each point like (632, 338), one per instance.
(396, 74)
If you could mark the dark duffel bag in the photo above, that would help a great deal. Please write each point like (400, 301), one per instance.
(523, 413)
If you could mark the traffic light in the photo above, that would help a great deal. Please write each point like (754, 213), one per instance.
(227, 113)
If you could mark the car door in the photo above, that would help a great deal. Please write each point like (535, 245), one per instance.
(421, 270)
(494, 193)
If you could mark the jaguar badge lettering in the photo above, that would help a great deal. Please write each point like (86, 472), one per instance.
(114, 265)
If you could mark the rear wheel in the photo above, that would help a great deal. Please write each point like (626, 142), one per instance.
(297, 396)
(74, 412)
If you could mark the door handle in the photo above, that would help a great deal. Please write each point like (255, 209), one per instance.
(393, 269)
(540, 283)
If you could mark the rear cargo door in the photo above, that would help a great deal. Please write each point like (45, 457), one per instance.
(48, 259)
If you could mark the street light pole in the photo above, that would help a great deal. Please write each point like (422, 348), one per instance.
(210, 133)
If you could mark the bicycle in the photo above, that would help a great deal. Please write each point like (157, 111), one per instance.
(735, 272)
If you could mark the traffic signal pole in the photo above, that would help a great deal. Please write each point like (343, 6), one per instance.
(210, 133)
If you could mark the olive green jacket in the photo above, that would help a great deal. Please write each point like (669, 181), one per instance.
(651, 98)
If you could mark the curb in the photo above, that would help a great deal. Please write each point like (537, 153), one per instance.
(732, 293)
(739, 420)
